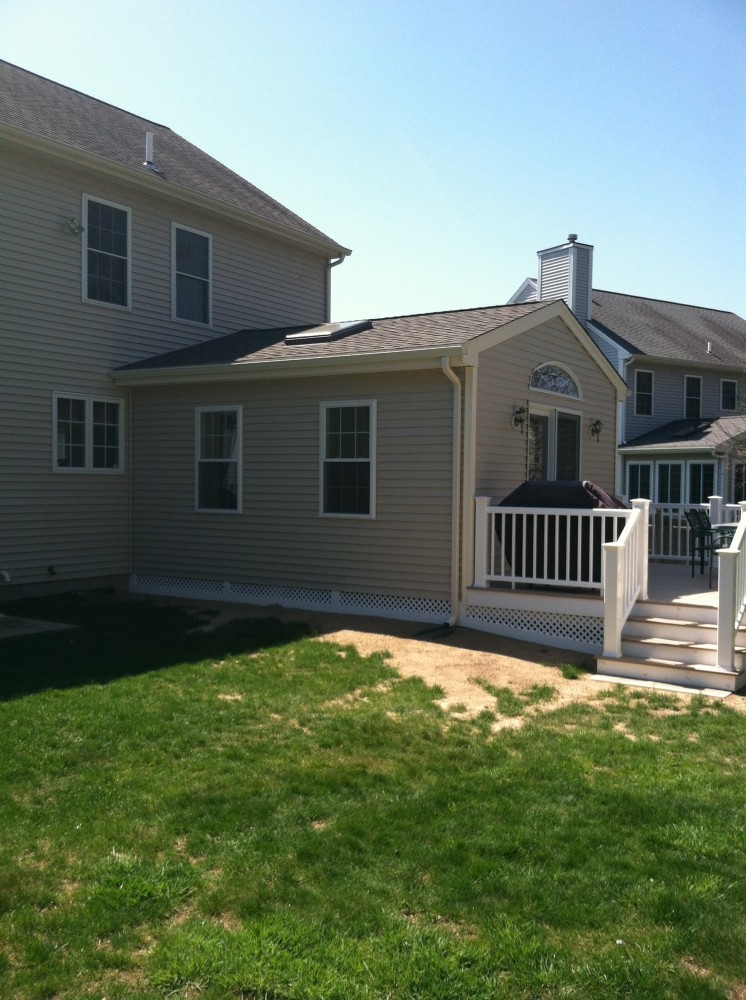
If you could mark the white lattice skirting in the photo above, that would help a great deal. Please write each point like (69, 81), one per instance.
(565, 631)
(419, 609)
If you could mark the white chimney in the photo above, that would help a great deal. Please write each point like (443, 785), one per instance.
(566, 272)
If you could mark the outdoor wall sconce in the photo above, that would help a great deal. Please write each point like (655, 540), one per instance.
(73, 226)
(519, 418)
(595, 429)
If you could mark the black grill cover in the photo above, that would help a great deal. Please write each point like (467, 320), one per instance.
(553, 557)
(561, 493)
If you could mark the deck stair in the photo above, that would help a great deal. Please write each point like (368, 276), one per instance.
(675, 644)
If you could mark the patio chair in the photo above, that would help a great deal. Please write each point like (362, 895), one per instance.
(705, 539)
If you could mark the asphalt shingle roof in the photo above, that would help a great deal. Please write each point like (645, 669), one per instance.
(670, 329)
(379, 336)
(688, 434)
(51, 111)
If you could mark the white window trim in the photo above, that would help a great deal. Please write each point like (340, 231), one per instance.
(208, 237)
(551, 392)
(645, 371)
(734, 382)
(688, 471)
(553, 412)
(84, 256)
(698, 378)
(330, 405)
(684, 481)
(236, 408)
(88, 468)
(651, 468)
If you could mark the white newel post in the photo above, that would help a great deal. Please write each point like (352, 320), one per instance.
(643, 551)
(727, 565)
(481, 548)
(613, 600)
(716, 510)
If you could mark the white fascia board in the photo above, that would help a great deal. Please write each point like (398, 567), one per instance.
(308, 367)
(553, 310)
(147, 180)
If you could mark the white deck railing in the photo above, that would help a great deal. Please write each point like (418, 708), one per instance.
(625, 575)
(539, 545)
(669, 530)
(731, 594)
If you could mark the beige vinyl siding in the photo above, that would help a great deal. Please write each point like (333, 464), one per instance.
(50, 340)
(503, 377)
(280, 539)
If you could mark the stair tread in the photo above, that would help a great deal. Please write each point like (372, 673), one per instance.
(677, 622)
(677, 664)
(651, 640)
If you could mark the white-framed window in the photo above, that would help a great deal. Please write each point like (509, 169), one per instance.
(728, 395)
(553, 444)
(701, 477)
(106, 252)
(218, 451)
(191, 267)
(643, 394)
(669, 482)
(347, 451)
(692, 396)
(88, 433)
(640, 480)
(554, 377)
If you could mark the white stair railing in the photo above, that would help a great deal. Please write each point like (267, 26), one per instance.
(625, 576)
(731, 594)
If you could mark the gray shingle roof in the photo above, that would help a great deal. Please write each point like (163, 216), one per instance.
(379, 336)
(688, 435)
(671, 329)
(51, 111)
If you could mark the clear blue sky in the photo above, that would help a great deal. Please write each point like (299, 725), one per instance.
(446, 142)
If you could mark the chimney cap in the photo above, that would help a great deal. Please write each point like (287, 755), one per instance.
(572, 238)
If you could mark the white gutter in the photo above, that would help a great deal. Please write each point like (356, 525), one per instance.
(455, 490)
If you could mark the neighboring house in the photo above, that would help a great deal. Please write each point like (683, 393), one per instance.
(177, 407)
(682, 430)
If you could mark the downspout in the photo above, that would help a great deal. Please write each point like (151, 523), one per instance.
(329, 265)
(455, 489)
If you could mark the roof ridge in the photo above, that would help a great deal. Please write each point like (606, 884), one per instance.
(667, 302)
(88, 97)
(448, 312)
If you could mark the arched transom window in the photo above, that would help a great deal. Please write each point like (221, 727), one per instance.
(554, 378)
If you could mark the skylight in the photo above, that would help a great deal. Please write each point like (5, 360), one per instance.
(327, 331)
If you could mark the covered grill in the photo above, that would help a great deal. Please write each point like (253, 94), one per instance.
(553, 547)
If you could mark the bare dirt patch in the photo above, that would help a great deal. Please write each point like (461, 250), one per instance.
(453, 662)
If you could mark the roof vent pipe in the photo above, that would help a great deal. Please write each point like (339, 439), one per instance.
(709, 347)
(149, 151)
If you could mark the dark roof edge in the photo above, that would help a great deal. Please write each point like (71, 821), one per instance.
(665, 302)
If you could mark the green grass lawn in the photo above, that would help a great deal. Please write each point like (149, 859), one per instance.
(248, 813)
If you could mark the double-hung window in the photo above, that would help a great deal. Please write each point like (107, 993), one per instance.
(728, 395)
(643, 394)
(348, 445)
(191, 260)
(218, 458)
(106, 252)
(88, 434)
(693, 396)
